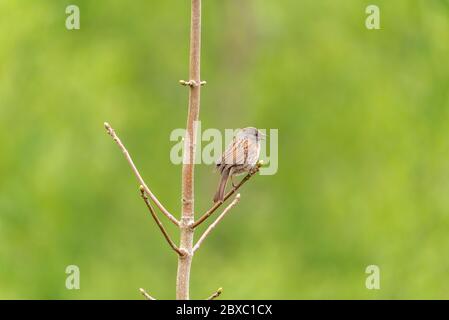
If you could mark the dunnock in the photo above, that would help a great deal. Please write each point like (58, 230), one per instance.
(239, 157)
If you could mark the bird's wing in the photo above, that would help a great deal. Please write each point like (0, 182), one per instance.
(236, 152)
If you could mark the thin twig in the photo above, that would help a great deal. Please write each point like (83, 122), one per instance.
(229, 194)
(158, 222)
(146, 295)
(214, 224)
(216, 294)
(114, 136)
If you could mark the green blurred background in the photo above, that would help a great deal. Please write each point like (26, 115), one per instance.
(363, 147)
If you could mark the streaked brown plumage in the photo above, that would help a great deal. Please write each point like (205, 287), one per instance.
(239, 157)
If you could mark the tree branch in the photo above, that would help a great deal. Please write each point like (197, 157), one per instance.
(158, 222)
(146, 295)
(214, 224)
(216, 294)
(114, 136)
(188, 167)
(229, 194)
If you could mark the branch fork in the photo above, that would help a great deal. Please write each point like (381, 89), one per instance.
(216, 222)
(227, 196)
(186, 224)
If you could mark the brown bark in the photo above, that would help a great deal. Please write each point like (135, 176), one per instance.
(187, 218)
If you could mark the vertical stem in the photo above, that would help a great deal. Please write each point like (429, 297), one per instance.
(187, 218)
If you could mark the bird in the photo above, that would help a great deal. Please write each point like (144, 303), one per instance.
(239, 157)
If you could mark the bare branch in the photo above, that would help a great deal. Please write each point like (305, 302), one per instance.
(158, 222)
(216, 294)
(114, 136)
(214, 224)
(229, 194)
(146, 295)
(188, 167)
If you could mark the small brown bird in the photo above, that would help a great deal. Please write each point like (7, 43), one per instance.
(239, 157)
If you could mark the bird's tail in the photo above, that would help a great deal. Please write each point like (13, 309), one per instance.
(219, 195)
